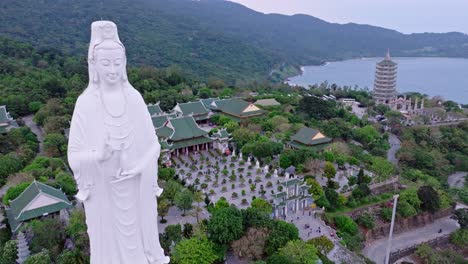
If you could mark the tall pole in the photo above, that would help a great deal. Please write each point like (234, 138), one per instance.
(389, 245)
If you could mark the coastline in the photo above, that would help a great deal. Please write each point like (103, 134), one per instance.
(325, 63)
(414, 75)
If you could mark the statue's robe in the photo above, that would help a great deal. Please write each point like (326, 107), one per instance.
(121, 216)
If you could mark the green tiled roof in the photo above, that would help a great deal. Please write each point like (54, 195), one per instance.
(290, 182)
(267, 102)
(165, 145)
(186, 128)
(154, 109)
(236, 107)
(222, 133)
(3, 129)
(306, 134)
(207, 102)
(17, 212)
(298, 145)
(158, 121)
(4, 117)
(196, 108)
(164, 132)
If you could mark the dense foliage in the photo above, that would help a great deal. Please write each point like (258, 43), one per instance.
(214, 38)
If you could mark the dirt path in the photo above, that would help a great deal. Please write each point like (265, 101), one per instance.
(29, 122)
(457, 179)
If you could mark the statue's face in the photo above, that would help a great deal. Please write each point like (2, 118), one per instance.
(110, 65)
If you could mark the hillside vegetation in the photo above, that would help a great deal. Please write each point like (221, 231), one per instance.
(213, 39)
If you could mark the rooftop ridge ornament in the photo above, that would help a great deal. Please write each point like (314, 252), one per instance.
(112, 151)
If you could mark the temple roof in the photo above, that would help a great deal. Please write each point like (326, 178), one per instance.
(154, 109)
(207, 102)
(4, 115)
(267, 102)
(222, 133)
(158, 121)
(236, 107)
(387, 60)
(185, 128)
(196, 108)
(37, 200)
(309, 136)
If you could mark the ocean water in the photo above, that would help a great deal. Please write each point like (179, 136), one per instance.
(446, 77)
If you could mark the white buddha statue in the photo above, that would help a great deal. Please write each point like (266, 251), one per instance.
(113, 152)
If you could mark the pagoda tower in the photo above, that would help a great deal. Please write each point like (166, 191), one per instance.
(23, 249)
(385, 81)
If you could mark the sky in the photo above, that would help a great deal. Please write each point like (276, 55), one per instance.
(407, 16)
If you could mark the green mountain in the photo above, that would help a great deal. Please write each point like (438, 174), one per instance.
(213, 38)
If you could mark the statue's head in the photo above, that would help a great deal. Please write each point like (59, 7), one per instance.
(107, 60)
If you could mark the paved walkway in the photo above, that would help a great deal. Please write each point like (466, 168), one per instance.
(395, 145)
(29, 122)
(376, 250)
(174, 217)
(457, 179)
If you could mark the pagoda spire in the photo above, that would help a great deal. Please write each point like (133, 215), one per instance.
(387, 56)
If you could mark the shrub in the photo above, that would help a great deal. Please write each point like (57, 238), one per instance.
(386, 214)
(366, 220)
(460, 238)
(346, 224)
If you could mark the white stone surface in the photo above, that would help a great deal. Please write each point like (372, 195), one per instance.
(112, 151)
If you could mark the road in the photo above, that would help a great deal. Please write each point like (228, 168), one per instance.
(395, 145)
(28, 121)
(448, 123)
(377, 249)
(457, 179)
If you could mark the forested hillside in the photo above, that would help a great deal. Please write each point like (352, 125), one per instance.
(212, 38)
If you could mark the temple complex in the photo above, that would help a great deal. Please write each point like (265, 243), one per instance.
(6, 121)
(385, 81)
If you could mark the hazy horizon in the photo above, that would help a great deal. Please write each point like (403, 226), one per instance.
(415, 16)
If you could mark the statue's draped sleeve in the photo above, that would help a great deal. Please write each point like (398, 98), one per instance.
(81, 157)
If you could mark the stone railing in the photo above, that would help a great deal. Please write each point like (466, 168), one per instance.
(381, 187)
(436, 242)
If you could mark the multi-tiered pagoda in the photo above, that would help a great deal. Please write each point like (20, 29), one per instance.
(385, 81)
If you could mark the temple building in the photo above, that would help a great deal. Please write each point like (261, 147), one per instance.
(293, 198)
(237, 109)
(195, 109)
(181, 135)
(385, 81)
(308, 137)
(6, 121)
(36, 201)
